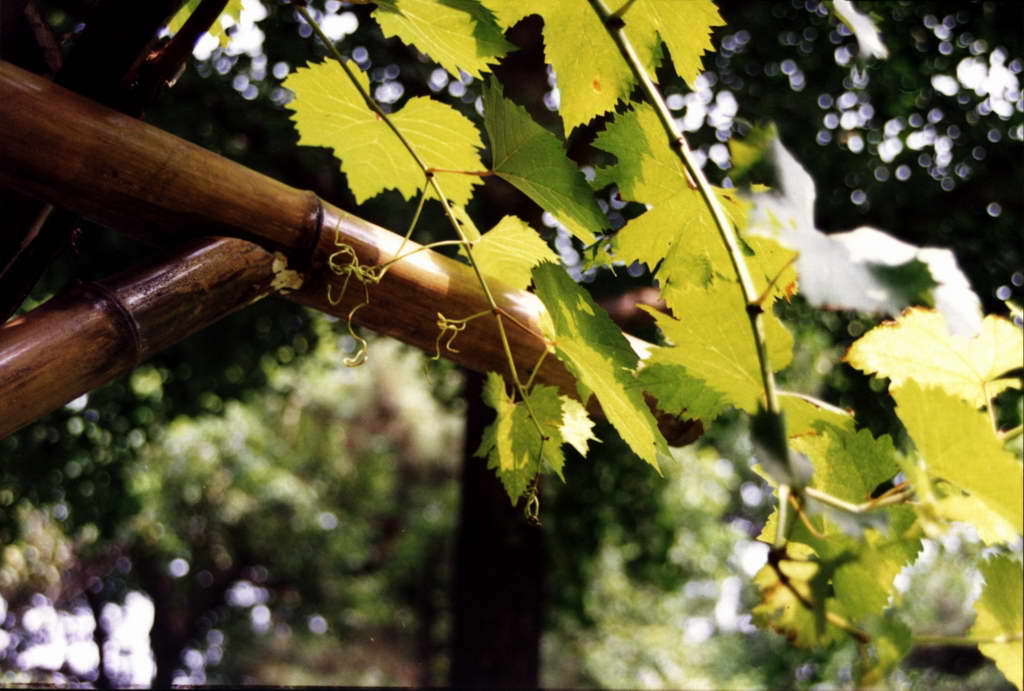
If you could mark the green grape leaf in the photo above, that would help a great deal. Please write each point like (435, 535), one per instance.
(577, 428)
(795, 598)
(509, 250)
(532, 159)
(864, 584)
(714, 342)
(512, 444)
(496, 441)
(676, 390)
(457, 34)
(593, 79)
(992, 528)
(328, 111)
(891, 640)
(869, 550)
(599, 356)
(918, 347)
(1001, 616)
(677, 227)
(232, 9)
(805, 414)
(684, 26)
(847, 464)
(956, 443)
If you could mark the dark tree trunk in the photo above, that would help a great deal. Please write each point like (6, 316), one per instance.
(498, 600)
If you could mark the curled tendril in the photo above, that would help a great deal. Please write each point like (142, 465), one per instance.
(366, 275)
(453, 327)
(532, 507)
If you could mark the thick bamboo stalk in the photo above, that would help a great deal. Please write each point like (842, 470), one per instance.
(129, 176)
(98, 331)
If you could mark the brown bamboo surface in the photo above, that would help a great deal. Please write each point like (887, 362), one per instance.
(124, 174)
(129, 176)
(97, 331)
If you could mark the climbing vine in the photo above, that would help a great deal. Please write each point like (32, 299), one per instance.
(852, 508)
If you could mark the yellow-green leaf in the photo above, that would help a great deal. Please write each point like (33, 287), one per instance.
(515, 448)
(329, 112)
(677, 226)
(919, 347)
(992, 527)
(509, 250)
(1001, 617)
(577, 428)
(533, 160)
(714, 342)
(805, 415)
(794, 598)
(599, 356)
(847, 464)
(457, 34)
(592, 76)
(956, 443)
(232, 10)
(677, 390)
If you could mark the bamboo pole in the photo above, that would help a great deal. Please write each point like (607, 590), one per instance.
(131, 177)
(97, 331)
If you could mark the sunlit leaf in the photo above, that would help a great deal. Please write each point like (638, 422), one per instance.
(795, 598)
(592, 76)
(676, 390)
(956, 443)
(232, 10)
(509, 250)
(918, 347)
(869, 38)
(869, 549)
(600, 358)
(534, 161)
(577, 428)
(329, 112)
(526, 437)
(713, 341)
(804, 415)
(992, 527)
(457, 34)
(677, 226)
(847, 464)
(1001, 616)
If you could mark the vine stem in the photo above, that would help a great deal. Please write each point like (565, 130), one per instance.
(615, 25)
(300, 7)
(965, 640)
